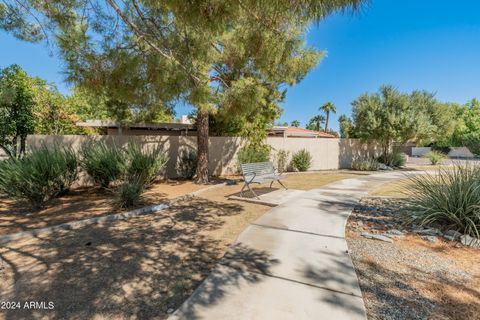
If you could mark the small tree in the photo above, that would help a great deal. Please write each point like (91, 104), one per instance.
(16, 110)
(295, 123)
(388, 116)
(346, 126)
(218, 56)
(327, 108)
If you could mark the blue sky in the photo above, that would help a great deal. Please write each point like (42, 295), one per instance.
(411, 44)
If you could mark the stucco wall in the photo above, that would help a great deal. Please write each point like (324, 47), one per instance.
(327, 154)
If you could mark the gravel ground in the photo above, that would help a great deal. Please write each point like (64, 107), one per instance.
(411, 278)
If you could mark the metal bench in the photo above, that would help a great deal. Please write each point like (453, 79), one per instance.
(259, 172)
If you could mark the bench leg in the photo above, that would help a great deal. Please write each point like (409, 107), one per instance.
(279, 181)
(250, 189)
(271, 183)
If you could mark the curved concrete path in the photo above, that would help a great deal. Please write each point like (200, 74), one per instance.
(291, 263)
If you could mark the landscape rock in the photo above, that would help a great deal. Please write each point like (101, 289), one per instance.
(377, 237)
(452, 235)
(394, 233)
(428, 232)
(430, 238)
(470, 241)
(375, 220)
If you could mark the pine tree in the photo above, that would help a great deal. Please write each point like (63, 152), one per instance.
(230, 57)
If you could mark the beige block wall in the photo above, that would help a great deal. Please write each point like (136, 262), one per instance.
(327, 154)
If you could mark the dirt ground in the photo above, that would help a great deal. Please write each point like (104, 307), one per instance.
(82, 203)
(411, 278)
(139, 268)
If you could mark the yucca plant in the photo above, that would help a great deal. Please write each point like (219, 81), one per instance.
(449, 199)
(104, 163)
(145, 165)
(128, 194)
(40, 175)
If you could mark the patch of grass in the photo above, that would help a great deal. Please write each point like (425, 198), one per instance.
(396, 189)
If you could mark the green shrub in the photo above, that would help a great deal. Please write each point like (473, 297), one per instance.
(144, 165)
(450, 199)
(366, 165)
(40, 175)
(104, 163)
(187, 164)
(252, 154)
(282, 160)
(128, 194)
(471, 141)
(435, 157)
(302, 160)
(394, 159)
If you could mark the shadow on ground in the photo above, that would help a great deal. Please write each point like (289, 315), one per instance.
(133, 269)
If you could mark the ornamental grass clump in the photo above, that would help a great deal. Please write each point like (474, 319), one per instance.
(39, 176)
(103, 162)
(435, 157)
(449, 199)
(302, 160)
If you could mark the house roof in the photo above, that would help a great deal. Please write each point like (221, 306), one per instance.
(148, 126)
(300, 132)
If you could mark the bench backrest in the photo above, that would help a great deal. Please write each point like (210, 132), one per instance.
(257, 168)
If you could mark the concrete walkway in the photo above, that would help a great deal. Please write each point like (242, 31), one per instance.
(292, 263)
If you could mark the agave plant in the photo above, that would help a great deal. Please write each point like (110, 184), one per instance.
(449, 199)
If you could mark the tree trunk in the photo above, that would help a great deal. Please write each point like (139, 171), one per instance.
(23, 142)
(326, 122)
(202, 144)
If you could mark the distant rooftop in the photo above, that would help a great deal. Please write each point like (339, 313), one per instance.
(109, 124)
(298, 132)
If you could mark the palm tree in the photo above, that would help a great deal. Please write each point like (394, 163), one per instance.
(295, 123)
(327, 108)
(316, 122)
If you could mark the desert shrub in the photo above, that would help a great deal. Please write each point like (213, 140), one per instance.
(144, 165)
(302, 160)
(128, 193)
(471, 141)
(394, 159)
(449, 199)
(366, 164)
(435, 157)
(282, 160)
(104, 163)
(253, 153)
(187, 164)
(40, 175)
